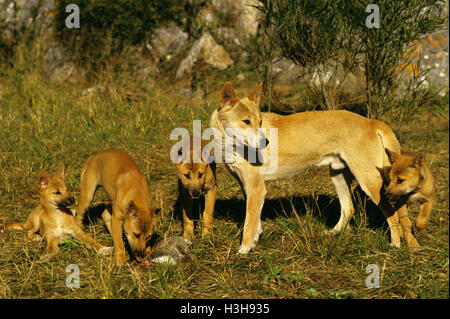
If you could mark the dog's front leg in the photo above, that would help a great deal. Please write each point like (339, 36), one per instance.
(255, 191)
(208, 214)
(405, 224)
(116, 233)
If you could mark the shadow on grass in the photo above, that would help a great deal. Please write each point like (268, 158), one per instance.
(324, 207)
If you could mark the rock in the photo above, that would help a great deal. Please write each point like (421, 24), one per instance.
(168, 40)
(247, 22)
(99, 88)
(285, 71)
(228, 36)
(245, 12)
(55, 64)
(205, 49)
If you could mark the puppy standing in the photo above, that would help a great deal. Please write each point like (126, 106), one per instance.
(411, 182)
(128, 189)
(52, 219)
(193, 180)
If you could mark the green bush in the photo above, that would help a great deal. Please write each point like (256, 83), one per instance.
(106, 27)
(331, 36)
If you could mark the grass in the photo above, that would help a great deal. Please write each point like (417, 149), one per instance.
(45, 123)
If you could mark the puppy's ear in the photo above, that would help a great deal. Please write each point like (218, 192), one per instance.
(43, 179)
(156, 212)
(131, 209)
(60, 173)
(418, 160)
(227, 96)
(255, 96)
(391, 155)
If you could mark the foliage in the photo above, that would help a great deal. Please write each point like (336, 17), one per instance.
(108, 26)
(328, 36)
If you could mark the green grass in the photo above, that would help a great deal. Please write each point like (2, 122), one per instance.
(45, 123)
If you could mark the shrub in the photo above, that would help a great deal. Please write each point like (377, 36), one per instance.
(331, 36)
(107, 27)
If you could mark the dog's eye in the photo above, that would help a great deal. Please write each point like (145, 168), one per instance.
(57, 192)
(399, 180)
(247, 122)
(200, 175)
(187, 176)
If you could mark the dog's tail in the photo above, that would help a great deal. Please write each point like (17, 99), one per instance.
(14, 226)
(387, 140)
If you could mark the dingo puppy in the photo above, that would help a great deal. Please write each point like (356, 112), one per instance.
(193, 180)
(411, 182)
(128, 189)
(52, 220)
(349, 144)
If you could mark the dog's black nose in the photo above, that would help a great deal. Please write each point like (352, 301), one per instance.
(71, 200)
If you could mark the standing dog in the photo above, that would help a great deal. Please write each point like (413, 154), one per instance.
(53, 220)
(411, 182)
(349, 144)
(128, 189)
(193, 180)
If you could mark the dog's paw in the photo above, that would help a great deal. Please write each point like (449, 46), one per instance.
(329, 232)
(47, 257)
(244, 249)
(105, 251)
(36, 238)
(394, 245)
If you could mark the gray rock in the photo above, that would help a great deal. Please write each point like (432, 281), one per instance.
(205, 49)
(168, 40)
(55, 64)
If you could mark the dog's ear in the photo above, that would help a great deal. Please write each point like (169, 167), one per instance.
(255, 96)
(60, 173)
(418, 161)
(43, 179)
(391, 155)
(131, 209)
(227, 96)
(156, 212)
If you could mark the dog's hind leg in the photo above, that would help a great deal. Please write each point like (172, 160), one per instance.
(88, 184)
(106, 217)
(341, 180)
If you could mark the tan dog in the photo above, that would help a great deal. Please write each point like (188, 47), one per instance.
(411, 182)
(195, 179)
(128, 189)
(349, 144)
(52, 220)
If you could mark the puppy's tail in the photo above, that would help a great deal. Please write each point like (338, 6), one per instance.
(15, 226)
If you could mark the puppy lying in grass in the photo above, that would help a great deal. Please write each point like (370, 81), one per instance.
(53, 220)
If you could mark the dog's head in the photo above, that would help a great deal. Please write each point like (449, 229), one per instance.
(54, 191)
(138, 226)
(242, 117)
(405, 174)
(192, 174)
